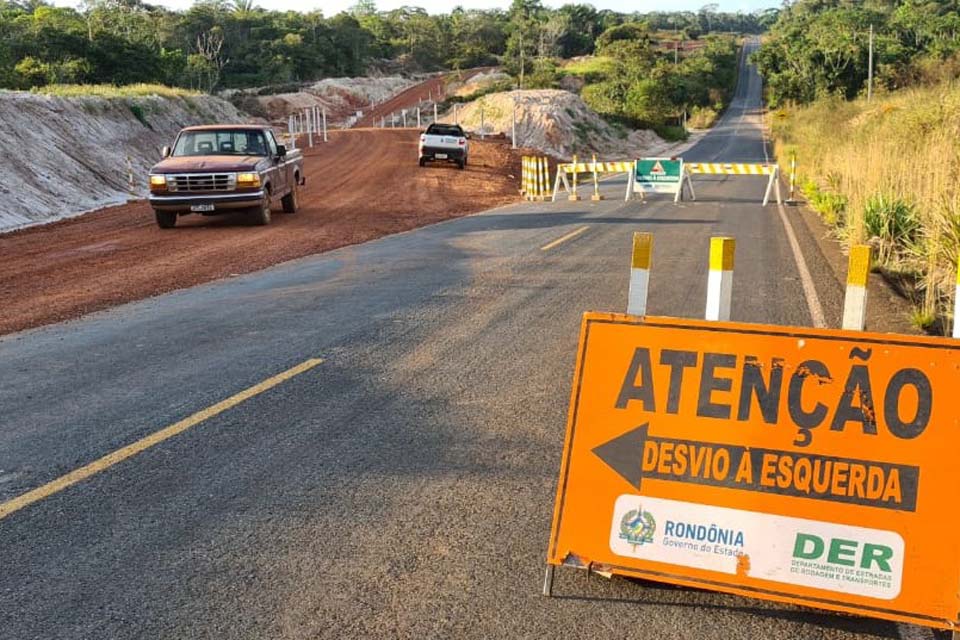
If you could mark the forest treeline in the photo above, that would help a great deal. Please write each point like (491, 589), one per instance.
(820, 48)
(219, 44)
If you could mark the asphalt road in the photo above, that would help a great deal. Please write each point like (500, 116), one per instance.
(403, 488)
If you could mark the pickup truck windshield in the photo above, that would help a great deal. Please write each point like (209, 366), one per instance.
(221, 143)
(445, 130)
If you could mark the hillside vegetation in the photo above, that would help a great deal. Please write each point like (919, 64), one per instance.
(887, 172)
(820, 48)
(883, 171)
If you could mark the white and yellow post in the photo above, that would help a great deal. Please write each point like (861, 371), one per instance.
(855, 299)
(720, 280)
(596, 197)
(524, 177)
(542, 178)
(640, 273)
(574, 196)
(956, 306)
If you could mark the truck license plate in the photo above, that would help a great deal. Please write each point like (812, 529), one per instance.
(441, 156)
(200, 208)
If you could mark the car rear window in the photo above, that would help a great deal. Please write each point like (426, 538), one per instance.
(444, 130)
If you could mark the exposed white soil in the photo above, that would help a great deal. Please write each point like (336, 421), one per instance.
(557, 123)
(477, 83)
(65, 156)
(341, 97)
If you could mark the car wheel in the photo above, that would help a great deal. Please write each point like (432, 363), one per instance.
(291, 201)
(165, 219)
(461, 164)
(261, 215)
(423, 162)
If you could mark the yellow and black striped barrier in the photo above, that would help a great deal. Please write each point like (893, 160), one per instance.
(535, 180)
(740, 169)
(568, 174)
(730, 169)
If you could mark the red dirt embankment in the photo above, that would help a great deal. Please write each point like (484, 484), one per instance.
(409, 99)
(362, 185)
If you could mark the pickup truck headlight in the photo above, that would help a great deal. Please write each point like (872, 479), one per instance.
(246, 180)
(158, 183)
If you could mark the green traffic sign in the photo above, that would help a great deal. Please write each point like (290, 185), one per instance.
(659, 170)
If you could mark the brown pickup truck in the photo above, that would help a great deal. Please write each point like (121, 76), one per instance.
(222, 168)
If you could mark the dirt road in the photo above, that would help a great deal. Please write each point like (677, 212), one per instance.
(362, 185)
(434, 88)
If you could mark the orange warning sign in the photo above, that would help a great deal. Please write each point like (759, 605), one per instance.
(809, 466)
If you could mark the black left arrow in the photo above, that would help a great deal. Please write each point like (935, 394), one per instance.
(624, 454)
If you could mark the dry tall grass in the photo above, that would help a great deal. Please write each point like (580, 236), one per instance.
(887, 172)
(112, 91)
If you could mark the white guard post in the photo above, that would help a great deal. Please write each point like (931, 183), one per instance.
(855, 299)
(640, 273)
(720, 280)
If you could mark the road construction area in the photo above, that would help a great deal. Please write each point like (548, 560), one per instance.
(365, 442)
(362, 185)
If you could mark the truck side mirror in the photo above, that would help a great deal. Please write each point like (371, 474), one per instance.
(281, 150)
(165, 152)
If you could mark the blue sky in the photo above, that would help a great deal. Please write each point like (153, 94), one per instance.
(331, 7)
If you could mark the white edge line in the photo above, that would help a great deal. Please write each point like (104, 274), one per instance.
(806, 281)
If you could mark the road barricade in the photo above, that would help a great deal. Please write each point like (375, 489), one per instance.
(568, 176)
(659, 175)
(808, 466)
(740, 169)
(535, 178)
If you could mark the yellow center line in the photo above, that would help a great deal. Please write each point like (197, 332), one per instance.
(570, 236)
(118, 456)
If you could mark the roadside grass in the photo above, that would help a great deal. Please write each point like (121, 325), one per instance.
(703, 117)
(886, 173)
(590, 68)
(112, 91)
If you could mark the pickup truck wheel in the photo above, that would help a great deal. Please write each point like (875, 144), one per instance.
(261, 215)
(423, 162)
(290, 201)
(461, 164)
(165, 219)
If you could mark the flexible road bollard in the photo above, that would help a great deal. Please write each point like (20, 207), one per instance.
(855, 298)
(793, 179)
(720, 280)
(640, 263)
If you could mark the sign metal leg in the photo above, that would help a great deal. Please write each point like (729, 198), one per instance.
(548, 582)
